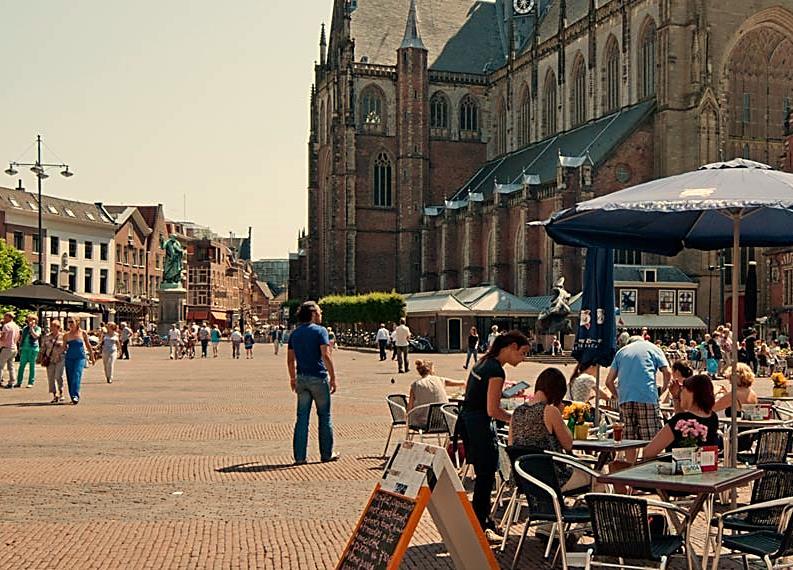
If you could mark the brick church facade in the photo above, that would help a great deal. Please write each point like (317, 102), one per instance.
(431, 150)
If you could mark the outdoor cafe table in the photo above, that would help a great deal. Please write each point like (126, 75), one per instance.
(704, 487)
(607, 448)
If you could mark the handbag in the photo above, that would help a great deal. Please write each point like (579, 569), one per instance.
(45, 356)
(713, 366)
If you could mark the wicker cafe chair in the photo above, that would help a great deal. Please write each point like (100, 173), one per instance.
(777, 483)
(621, 529)
(397, 405)
(535, 478)
(771, 546)
(435, 423)
(772, 445)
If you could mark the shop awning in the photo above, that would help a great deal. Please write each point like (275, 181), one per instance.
(197, 314)
(669, 322)
(218, 316)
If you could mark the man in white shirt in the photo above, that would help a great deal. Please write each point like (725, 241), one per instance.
(9, 337)
(174, 339)
(401, 341)
(382, 340)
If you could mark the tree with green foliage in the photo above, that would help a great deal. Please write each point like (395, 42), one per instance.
(15, 271)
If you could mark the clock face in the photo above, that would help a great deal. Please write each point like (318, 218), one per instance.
(523, 6)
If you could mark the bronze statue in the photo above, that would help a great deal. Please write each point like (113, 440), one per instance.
(554, 319)
(173, 269)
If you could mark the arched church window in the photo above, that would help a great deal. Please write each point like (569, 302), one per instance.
(382, 179)
(524, 118)
(501, 127)
(647, 61)
(578, 94)
(549, 105)
(372, 119)
(469, 118)
(612, 76)
(439, 114)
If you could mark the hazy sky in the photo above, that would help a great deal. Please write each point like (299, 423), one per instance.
(152, 100)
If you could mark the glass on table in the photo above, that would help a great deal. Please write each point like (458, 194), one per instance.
(617, 428)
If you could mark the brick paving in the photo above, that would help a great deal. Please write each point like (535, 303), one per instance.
(187, 464)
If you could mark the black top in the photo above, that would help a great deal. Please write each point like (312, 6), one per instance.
(712, 423)
(473, 342)
(478, 381)
(714, 350)
(750, 341)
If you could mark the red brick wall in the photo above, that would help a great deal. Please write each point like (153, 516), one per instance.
(452, 163)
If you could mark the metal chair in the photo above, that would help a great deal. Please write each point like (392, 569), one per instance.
(621, 529)
(777, 483)
(772, 445)
(771, 546)
(434, 424)
(397, 405)
(535, 478)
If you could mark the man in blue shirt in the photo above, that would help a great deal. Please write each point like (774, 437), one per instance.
(636, 366)
(313, 379)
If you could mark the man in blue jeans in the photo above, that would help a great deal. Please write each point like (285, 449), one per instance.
(313, 379)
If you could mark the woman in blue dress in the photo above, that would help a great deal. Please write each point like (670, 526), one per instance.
(78, 350)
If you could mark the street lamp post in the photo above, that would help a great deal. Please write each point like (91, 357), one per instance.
(39, 168)
(711, 269)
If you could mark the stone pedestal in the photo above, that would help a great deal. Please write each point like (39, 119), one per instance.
(172, 308)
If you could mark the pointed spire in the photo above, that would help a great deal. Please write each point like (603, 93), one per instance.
(412, 37)
(323, 46)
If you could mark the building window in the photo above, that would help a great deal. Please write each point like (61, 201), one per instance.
(103, 281)
(119, 282)
(372, 110)
(88, 280)
(55, 245)
(524, 119)
(501, 127)
(469, 117)
(627, 257)
(788, 287)
(19, 241)
(72, 248)
(647, 61)
(89, 250)
(746, 111)
(158, 261)
(613, 76)
(439, 113)
(382, 181)
(72, 278)
(55, 271)
(118, 253)
(103, 251)
(35, 243)
(549, 105)
(578, 95)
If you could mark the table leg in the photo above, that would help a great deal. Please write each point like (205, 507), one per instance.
(708, 511)
(603, 459)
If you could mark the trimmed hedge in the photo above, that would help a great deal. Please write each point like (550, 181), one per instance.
(370, 308)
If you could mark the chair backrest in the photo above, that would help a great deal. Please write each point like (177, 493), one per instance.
(451, 413)
(436, 419)
(504, 464)
(620, 526)
(397, 405)
(786, 547)
(777, 483)
(773, 445)
(540, 467)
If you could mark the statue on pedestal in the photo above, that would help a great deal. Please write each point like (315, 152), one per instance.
(173, 268)
(554, 319)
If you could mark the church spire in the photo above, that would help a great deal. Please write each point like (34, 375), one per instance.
(323, 46)
(412, 37)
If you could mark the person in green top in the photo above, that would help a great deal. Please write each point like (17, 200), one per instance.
(214, 336)
(29, 350)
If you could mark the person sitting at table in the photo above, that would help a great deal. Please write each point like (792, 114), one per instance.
(583, 383)
(745, 392)
(696, 399)
(539, 425)
(428, 389)
(680, 371)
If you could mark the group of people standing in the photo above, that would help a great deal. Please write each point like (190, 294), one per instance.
(182, 341)
(399, 339)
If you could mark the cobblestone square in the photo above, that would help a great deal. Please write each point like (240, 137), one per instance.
(187, 464)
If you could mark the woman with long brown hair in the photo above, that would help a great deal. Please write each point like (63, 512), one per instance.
(482, 405)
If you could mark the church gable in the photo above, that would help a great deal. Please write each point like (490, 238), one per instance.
(460, 35)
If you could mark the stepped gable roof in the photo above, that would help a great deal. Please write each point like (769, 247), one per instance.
(663, 273)
(460, 35)
(597, 139)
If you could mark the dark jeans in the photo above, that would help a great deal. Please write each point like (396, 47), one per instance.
(125, 350)
(471, 352)
(382, 344)
(204, 346)
(402, 358)
(481, 451)
(316, 390)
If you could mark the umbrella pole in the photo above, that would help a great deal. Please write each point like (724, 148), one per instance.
(597, 398)
(736, 276)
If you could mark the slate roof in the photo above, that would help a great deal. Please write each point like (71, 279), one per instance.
(460, 35)
(486, 299)
(84, 212)
(598, 139)
(663, 273)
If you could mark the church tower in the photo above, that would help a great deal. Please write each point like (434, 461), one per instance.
(412, 150)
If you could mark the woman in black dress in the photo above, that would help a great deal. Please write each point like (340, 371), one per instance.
(481, 407)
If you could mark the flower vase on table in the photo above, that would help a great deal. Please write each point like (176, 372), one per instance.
(780, 385)
(578, 414)
(685, 457)
(581, 431)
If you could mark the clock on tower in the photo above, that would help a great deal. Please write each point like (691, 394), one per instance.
(523, 7)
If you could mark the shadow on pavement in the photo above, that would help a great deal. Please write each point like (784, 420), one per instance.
(257, 467)
(27, 404)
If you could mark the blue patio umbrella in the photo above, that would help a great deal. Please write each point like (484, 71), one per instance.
(735, 204)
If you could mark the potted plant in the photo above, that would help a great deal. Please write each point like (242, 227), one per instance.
(685, 455)
(578, 416)
(780, 385)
